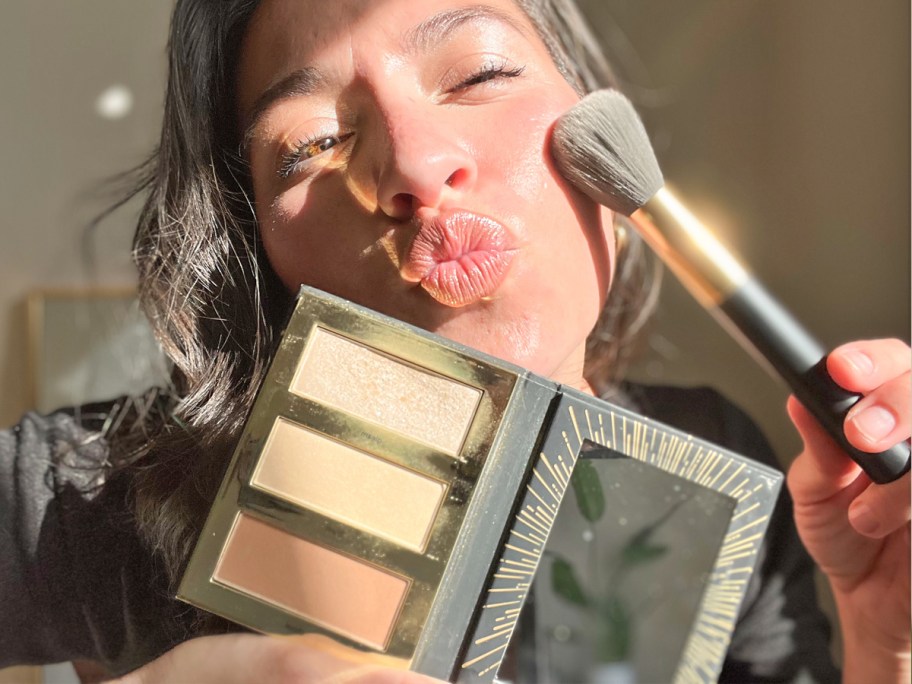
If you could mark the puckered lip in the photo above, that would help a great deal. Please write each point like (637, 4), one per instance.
(458, 257)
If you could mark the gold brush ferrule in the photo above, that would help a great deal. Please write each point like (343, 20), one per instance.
(689, 249)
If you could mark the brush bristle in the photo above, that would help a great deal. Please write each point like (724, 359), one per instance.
(601, 147)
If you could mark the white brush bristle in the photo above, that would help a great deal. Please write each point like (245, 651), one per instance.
(601, 147)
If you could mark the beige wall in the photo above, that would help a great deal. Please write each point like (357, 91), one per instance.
(56, 57)
(786, 125)
(785, 122)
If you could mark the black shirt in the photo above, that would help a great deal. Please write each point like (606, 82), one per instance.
(76, 581)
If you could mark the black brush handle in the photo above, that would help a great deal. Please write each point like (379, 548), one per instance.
(800, 360)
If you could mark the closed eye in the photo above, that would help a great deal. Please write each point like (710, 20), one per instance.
(488, 72)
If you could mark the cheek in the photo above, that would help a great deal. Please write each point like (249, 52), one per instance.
(296, 230)
(563, 221)
(518, 144)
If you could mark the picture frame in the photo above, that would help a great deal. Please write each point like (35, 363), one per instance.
(89, 344)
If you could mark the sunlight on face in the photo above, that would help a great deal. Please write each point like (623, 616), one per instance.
(399, 158)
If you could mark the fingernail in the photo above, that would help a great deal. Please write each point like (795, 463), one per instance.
(874, 422)
(860, 361)
(863, 520)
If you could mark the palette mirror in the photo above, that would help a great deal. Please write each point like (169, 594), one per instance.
(623, 574)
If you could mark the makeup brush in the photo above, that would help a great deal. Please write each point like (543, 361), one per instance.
(601, 146)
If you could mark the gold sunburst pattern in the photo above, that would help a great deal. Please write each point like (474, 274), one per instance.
(580, 419)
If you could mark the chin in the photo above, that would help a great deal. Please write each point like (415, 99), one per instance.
(521, 340)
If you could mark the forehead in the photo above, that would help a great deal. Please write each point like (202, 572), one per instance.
(284, 35)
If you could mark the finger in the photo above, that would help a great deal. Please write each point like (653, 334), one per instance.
(862, 366)
(879, 511)
(327, 661)
(245, 658)
(226, 659)
(881, 419)
(374, 674)
(822, 470)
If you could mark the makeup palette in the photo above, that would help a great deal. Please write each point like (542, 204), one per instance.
(395, 491)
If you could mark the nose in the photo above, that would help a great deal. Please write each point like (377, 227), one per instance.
(425, 165)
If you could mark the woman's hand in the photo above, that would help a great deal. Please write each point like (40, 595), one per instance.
(246, 658)
(858, 532)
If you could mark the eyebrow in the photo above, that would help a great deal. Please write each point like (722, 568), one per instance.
(420, 38)
(298, 83)
(434, 29)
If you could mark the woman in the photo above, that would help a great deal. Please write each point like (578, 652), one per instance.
(310, 142)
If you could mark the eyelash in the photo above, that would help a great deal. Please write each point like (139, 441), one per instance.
(489, 72)
(307, 149)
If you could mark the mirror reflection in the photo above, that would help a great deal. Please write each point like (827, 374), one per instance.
(623, 574)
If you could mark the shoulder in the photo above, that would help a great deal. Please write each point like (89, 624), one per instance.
(78, 577)
(66, 445)
(705, 413)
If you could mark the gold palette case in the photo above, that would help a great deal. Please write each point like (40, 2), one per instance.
(453, 584)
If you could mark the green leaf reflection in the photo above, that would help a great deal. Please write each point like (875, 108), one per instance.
(565, 584)
(589, 495)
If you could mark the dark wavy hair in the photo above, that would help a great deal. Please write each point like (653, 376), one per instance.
(206, 286)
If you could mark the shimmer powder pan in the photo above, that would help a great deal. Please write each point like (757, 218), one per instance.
(395, 491)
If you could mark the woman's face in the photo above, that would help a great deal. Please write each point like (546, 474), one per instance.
(399, 156)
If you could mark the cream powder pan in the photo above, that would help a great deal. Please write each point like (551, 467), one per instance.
(314, 471)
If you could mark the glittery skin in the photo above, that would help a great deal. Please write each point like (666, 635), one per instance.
(417, 404)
